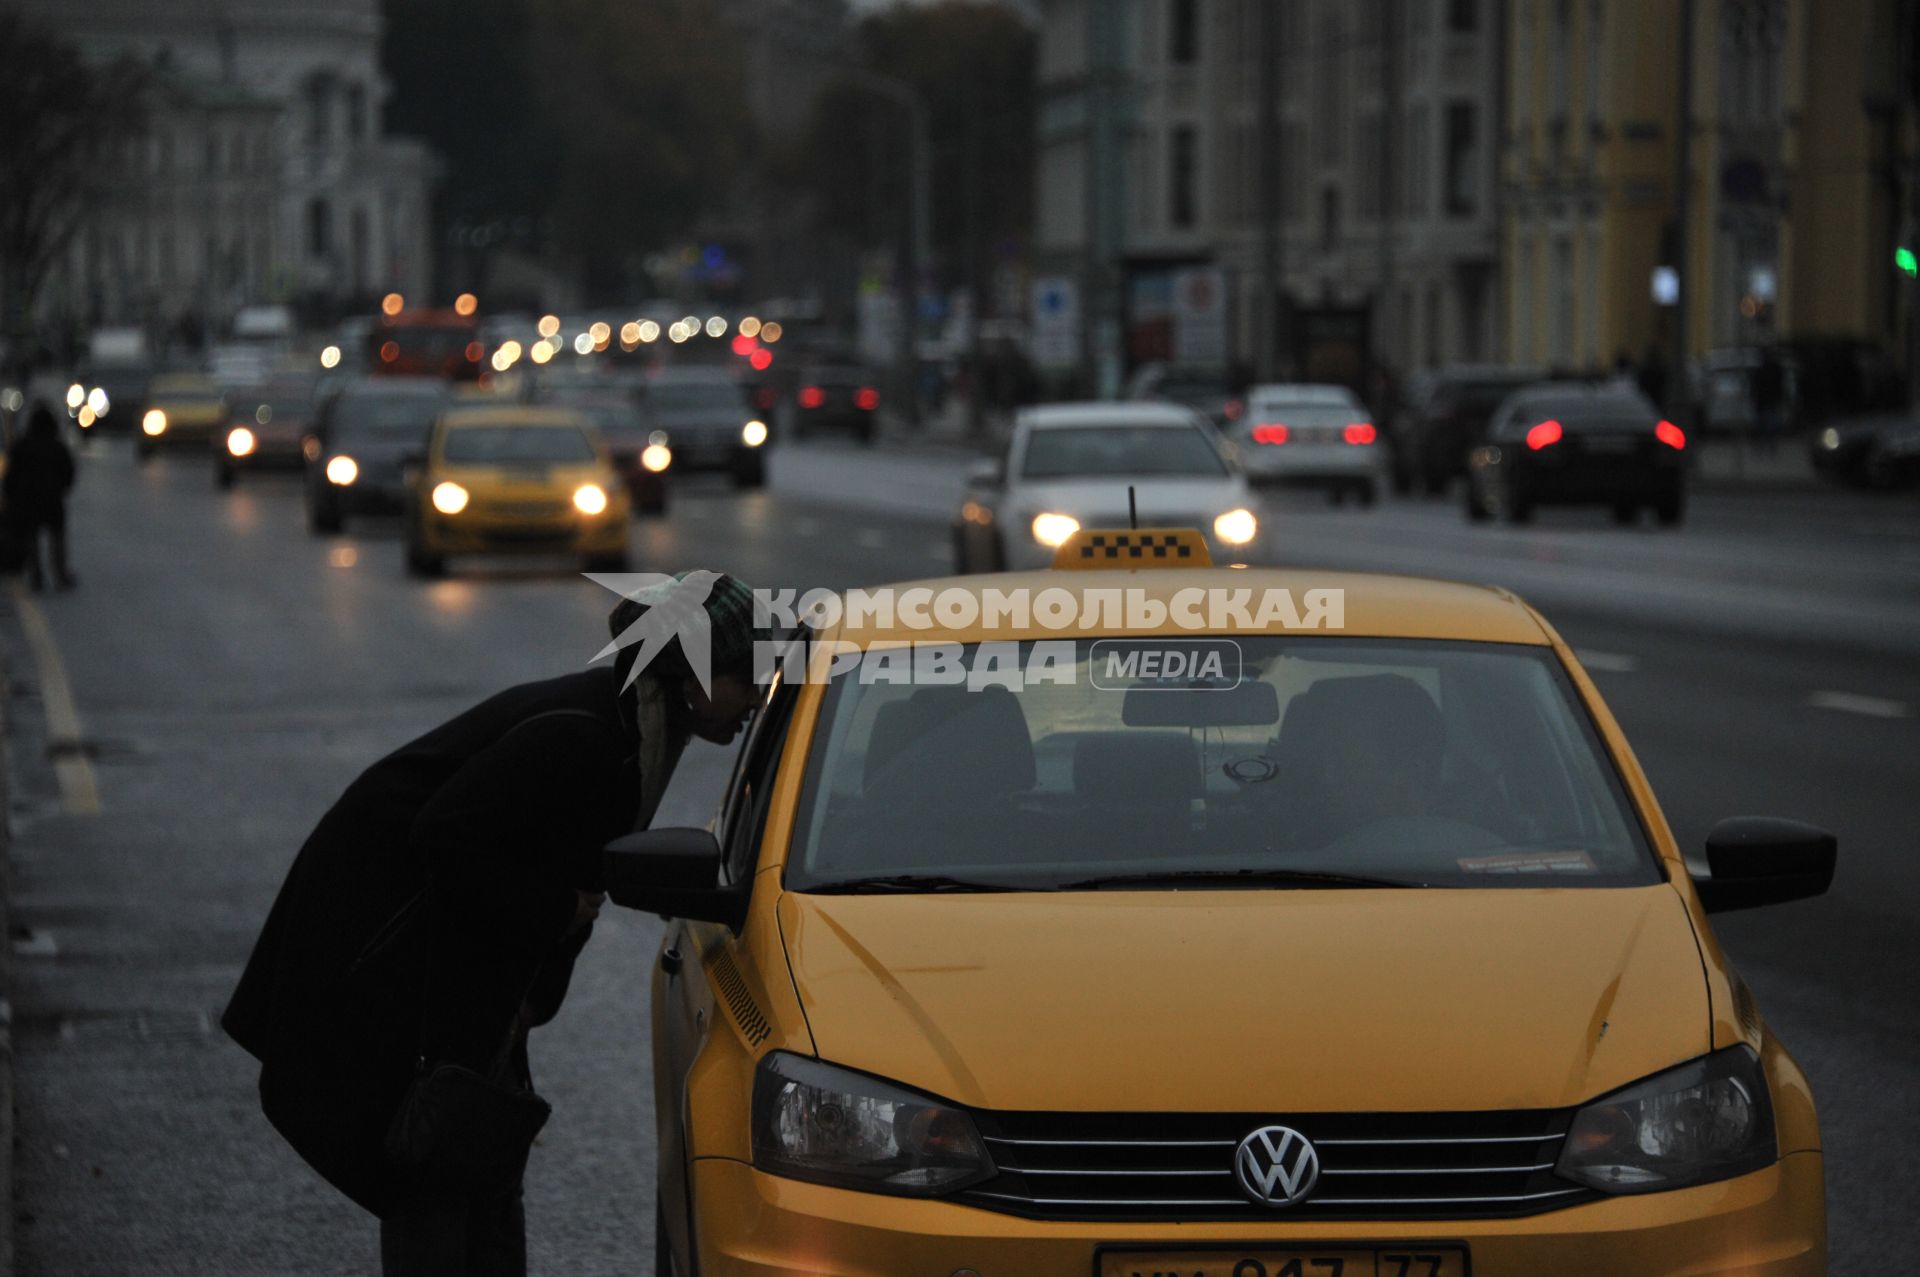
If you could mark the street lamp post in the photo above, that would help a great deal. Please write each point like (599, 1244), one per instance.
(919, 239)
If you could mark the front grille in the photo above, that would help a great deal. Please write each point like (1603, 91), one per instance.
(1156, 1166)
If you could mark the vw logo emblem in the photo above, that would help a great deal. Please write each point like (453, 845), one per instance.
(1276, 1166)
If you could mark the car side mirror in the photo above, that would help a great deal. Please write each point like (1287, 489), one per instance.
(985, 474)
(675, 872)
(1763, 860)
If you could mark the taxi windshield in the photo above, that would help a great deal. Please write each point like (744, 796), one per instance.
(1310, 762)
(510, 445)
(1066, 452)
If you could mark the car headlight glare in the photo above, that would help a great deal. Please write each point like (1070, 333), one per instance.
(1052, 530)
(342, 471)
(818, 1122)
(656, 457)
(754, 433)
(449, 498)
(154, 423)
(1711, 1119)
(240, 441)
(589, 498)
(1236, 527)
(1830, 439)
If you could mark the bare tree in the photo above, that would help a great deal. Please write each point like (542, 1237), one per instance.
(60, 117)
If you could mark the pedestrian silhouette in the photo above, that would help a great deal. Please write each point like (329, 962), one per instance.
(39, 474)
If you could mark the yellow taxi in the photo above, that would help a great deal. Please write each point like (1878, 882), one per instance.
(183, 410)
(515, 479)
(1167, 919)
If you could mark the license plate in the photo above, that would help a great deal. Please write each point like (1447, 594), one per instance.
(1609, 446)
(1289, 1261)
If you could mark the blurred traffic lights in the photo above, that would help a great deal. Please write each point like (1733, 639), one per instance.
(1905, 260)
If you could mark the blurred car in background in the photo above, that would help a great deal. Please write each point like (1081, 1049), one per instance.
(1070, 466)
(515, 479)
(1862, 452)
(183, 411)
(426, 343)
(1895, 459)
(710, 422)
(638, 449)
(270, 428)
(367, 433)
(1208, 391)
(1572, 443)
(1445, 418)
(837, 397)
(1317, 436)
(120, 368)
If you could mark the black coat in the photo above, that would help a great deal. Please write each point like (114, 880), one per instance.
(39, 473)
(486, 827)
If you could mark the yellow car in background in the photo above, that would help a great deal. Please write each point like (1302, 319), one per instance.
(1211, 922)
(515, 479)
(184, 410)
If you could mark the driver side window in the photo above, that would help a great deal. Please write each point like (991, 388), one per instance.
(744, 817)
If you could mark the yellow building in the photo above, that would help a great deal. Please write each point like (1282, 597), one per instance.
(1799, 124)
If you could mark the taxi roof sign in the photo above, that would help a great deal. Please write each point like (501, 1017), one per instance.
(1109, 549)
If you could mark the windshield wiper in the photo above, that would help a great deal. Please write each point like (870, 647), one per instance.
(908, 884)
(1237, 878)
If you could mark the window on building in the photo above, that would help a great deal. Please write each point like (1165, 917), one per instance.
(319, 229)
(1596, 48)
(212, 168)
(1418, 165)
(1330, 86)
(1463, 161)
(1463, 16)
(357, 112)
(1183, 32)
(1557, 67)
(1183, 178)
(1329, 218)
(319, 110)
(1369, 177)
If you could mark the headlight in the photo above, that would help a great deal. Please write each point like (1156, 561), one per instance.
(1708, 1120)
(1236, 527)
(76, 395)
(97, 400)
(754, 433)
(818, 1122)
(155, 422)
(1052, 530)
(1830, 439)
(449, 498)
(240, 441)
(588, 498)
(343, 470)
(656, 457)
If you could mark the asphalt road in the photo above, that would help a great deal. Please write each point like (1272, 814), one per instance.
(229, 675)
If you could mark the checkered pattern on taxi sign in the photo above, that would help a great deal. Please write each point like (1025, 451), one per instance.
(1126, 548)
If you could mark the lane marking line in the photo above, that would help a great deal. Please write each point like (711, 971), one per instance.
(1607, 662)
(1853, 703)
(71, 766)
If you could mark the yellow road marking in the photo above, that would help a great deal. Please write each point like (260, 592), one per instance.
(75, 772)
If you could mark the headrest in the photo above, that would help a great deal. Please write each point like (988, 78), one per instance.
(951, 739)
(1391, 708)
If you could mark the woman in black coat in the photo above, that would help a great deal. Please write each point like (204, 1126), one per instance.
(39, 475)
(437, 910)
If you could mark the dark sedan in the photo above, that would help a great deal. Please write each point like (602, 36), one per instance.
(1568, 444)
(368, 434)
(837, 397)
(272, 428)
(639, 450)
(1433, 435)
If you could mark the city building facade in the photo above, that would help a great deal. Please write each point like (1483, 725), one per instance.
(263, 174)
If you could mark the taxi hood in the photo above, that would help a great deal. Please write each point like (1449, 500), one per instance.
(1312, 1000)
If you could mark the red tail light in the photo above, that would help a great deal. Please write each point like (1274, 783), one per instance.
(1359, 432)
(474, 351)
(1544, 435)
(868, 398)
(1235, 409)
(1273, 432)
(1671, 435)
(812, 396)
(389, 351)
(761, 359)
(744, 345)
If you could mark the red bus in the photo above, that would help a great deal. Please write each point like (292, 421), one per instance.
(427, 343)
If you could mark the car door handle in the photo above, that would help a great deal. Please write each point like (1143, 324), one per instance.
(670, 960)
